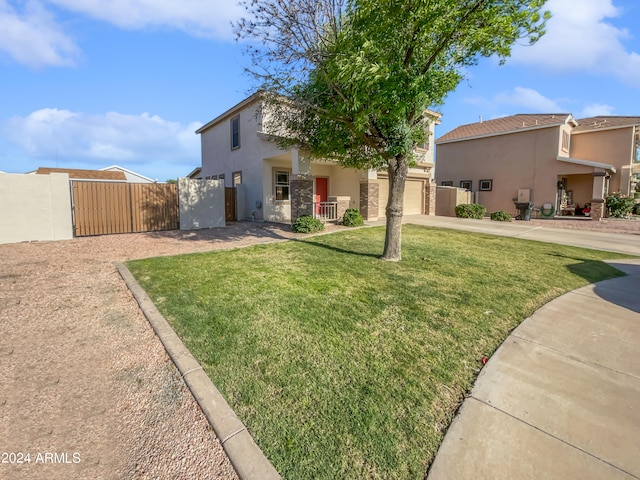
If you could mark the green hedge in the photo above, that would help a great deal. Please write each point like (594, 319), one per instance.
(501, 216)
(470, 210)
(352, 218)
(307, 224)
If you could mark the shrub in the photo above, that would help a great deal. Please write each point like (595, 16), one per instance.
(619, 205)
(501, 216)
(307, 224)
(352, 218)
(470, 210)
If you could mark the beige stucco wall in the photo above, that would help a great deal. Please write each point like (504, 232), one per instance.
(35, 207)
(201, 203)
(614, 147)
(448, 198)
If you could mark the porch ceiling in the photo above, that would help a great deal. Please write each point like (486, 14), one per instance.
(588, 163)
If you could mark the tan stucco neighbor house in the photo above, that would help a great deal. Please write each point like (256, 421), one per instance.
(279, 185)
(558, 163)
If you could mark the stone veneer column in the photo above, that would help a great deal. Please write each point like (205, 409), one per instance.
(597, 208)
(430, 198)
(369, 198)
(301, 196)
(597, 202)
(343, 203)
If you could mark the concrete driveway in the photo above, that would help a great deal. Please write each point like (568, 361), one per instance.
(628, 243)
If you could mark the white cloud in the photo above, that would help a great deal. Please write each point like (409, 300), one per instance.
(529, 99)
(113, 137)
(597, 109)
(33, 38)
(579, 39)
(196, 17)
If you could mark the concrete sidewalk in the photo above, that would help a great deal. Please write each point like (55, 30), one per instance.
(560, 399)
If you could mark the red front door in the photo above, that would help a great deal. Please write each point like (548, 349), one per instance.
(322, 191)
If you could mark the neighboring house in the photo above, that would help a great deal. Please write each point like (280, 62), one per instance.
(113, 173)
(131, 176)
(558, 163)
(80, 174)
(196, 174)
(277, 185)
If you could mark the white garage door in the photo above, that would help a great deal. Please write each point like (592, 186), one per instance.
(413, 197)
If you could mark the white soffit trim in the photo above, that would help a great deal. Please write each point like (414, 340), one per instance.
(588, 163)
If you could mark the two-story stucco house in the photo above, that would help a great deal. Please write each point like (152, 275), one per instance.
(558, 163)
(277, 185)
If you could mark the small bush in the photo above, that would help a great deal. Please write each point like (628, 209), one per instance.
(501, 216)
(619, 205)
(307, 224)
(470, 210)
(352, 218)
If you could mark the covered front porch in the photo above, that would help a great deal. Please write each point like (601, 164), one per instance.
(583, 194)
(295, 185)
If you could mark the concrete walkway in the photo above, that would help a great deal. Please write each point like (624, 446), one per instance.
(560, 399)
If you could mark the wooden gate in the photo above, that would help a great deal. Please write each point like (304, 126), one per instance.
(101, 208)
(230, 204)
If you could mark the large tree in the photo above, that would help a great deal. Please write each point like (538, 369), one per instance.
(352, 80)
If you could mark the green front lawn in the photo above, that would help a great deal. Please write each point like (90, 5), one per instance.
(345, 366)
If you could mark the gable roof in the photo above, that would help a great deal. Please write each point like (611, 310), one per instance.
(118, 168)
(84, 174)
(605, 123)
(505, 125)
(195, 173)
(230, 112)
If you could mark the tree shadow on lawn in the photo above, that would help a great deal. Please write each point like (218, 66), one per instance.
(338, 249)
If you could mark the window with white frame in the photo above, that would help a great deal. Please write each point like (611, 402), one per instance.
(236, 178)
(235, 132)
(281, 185)
(486, 185)
(466, 184)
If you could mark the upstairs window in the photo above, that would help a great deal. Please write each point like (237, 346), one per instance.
(235, 132)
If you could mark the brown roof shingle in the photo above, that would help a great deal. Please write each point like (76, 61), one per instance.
(506, 125)
(602, 122)
(85, 174)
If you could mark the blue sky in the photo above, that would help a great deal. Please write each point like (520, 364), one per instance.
(90, 83)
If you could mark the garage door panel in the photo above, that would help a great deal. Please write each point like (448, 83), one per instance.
(413, 197)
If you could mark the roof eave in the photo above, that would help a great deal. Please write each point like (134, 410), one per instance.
(496, 134)
(587, 163)
(236, 108)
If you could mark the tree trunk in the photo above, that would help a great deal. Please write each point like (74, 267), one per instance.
(397, 170)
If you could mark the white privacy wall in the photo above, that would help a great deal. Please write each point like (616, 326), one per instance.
(201, 203)
(35, 207)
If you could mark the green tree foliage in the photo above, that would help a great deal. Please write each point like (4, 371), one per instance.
(359, 76)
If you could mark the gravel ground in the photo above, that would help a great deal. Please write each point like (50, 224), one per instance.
(610, 225)
(87, 389)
